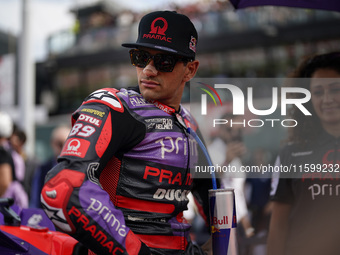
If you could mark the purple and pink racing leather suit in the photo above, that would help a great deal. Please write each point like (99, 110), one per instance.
(123, 176)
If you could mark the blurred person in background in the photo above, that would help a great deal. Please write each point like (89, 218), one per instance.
(10, 185)
(19, 163)
(123, 176)
(258, 190)
(306, 208)
(58, 137)
(17, 142)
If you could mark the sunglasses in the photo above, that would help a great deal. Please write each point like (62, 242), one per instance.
(162, 62)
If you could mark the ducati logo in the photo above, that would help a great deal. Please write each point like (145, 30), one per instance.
(158, 31)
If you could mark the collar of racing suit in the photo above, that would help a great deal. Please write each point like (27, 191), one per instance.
(171, 111)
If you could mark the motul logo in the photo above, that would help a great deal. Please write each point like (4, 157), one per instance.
(158, 32)
(90, 120)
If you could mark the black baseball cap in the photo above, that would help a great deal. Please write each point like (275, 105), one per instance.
(167, 31)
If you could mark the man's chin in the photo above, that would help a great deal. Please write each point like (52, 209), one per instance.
(149, 95)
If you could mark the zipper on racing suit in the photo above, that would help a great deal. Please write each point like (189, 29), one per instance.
(180, 122)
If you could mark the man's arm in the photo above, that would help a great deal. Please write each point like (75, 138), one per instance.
(72, 195)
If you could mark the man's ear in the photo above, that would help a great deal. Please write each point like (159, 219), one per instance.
(191, 70)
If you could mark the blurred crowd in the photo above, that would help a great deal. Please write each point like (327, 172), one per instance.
(22, 176)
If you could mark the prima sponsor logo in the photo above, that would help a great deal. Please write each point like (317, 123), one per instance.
(108, 216)
(169, 144)
(324, 190)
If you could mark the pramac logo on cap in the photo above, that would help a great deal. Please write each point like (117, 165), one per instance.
(158, 32)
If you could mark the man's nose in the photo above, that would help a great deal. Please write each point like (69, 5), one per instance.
(150, 69)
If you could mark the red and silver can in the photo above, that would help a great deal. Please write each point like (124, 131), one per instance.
(223, 221)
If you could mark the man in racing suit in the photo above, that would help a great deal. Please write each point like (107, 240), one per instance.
(122, 180)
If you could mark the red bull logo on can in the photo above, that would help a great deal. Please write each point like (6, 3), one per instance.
(215, 230)
(223, 221)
